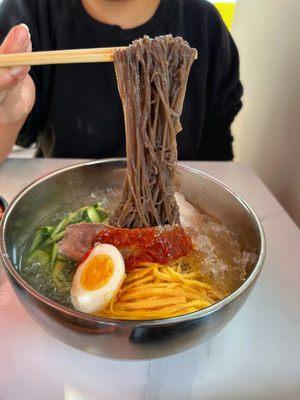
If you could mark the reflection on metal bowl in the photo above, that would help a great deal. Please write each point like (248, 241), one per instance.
(115, 338)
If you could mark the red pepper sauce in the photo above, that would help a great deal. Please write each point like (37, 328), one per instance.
(159, 245)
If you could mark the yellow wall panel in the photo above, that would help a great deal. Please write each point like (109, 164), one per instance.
(226, 9)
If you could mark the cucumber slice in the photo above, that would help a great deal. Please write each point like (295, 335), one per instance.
(39, 256)
(93, 215)
(40, 235)
(37, 240)
(57, 274)
(55, 238)
(103, 215)
(62, 274)
(72, 218)
(54, 253)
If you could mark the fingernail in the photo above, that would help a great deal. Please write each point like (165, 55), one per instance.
(17, 72)
(22, 35)
(26, 27)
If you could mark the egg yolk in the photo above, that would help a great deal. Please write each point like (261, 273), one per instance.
(97, 272)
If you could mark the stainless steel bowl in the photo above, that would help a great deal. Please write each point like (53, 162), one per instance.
(73, 186)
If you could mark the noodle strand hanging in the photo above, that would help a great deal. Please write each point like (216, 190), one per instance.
(152, 76)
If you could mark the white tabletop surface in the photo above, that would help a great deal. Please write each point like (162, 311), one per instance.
(257, 356)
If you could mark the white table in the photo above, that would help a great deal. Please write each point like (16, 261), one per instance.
(257, 356)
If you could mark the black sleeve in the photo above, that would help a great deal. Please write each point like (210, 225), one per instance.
(224, 92)
(14, 12)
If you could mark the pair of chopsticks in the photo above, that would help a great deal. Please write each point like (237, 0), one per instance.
(59, 57)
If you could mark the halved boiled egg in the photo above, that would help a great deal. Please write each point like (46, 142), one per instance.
(97, 279)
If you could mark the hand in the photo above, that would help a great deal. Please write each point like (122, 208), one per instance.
(17, 90)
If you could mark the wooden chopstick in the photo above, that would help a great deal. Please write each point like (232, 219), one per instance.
(59, 57)
(105, 54)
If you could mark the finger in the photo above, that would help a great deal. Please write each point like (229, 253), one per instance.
(18, 101)
(2, 96)
(9, 77)
(17, 40)
(29, 47)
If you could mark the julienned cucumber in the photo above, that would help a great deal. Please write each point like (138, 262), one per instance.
(40, 257)
(58, 275)
(40, 235)
(72, 218)
(51, 234)
(93, 215)
(53, 255)
(44, 248)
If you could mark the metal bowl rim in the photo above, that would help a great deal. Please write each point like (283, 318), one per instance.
(120, 322)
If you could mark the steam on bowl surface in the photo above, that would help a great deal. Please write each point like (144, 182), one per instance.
(71, 187)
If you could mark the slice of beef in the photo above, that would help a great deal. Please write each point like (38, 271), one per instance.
(78, 239)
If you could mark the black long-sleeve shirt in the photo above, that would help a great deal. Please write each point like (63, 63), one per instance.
(78, 111)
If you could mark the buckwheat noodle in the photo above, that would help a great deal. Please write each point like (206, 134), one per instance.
(152, 76)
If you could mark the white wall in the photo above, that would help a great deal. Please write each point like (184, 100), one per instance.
(267, 131)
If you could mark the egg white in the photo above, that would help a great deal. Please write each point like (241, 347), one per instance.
(93, 301)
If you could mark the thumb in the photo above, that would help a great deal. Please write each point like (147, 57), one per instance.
(17, 41)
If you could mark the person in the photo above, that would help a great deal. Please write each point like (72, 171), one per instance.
(75, 110)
